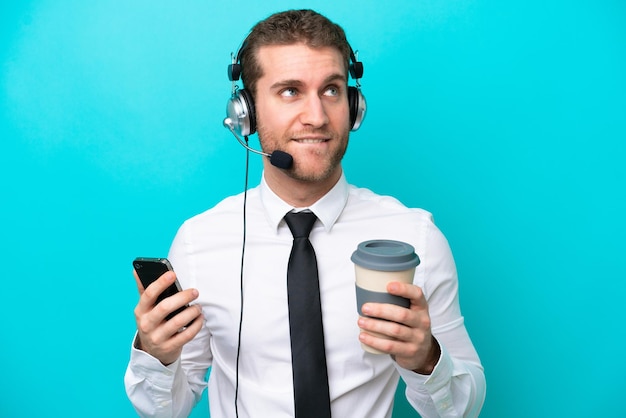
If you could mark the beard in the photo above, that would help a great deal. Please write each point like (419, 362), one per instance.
(315, 165)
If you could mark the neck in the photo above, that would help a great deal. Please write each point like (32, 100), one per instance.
(299, 193)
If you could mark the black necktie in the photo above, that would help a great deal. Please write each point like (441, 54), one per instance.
(310, 377)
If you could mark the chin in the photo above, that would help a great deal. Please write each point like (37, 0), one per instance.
(315, 173)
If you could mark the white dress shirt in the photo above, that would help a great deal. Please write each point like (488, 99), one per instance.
(206, 255)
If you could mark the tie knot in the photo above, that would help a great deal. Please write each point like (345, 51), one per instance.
(300, 223)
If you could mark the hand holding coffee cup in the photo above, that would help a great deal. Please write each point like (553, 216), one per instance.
(376, 263)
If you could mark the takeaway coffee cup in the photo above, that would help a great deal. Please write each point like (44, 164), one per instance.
(378, 262)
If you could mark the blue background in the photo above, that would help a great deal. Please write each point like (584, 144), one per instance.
(507, 120)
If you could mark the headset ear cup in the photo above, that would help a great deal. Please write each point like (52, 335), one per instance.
(240, 110)
(249, 102)
(357, 104)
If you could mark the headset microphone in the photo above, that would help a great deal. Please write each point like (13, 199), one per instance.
(278, 158)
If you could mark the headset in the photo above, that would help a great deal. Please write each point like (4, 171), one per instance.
(240, 110)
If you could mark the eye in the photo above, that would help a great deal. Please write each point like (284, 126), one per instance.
(289, 92)
(331, 91)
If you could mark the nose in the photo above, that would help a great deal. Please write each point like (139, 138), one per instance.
(313, 112)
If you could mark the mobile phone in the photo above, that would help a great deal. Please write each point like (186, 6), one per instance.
(149, 269)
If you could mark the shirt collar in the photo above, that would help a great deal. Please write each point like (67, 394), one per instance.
(327, 209)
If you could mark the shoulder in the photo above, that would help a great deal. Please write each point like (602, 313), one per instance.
(220, 218)
(362, 198)
(229, 206)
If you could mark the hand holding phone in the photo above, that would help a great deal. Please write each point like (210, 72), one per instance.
(163, 339)
(149, 270)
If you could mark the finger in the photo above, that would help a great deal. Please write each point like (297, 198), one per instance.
(384, 336)
(379, 343)
(182, 335)
(389, 312)
(145, 315)
(409, 291)
(385, 329)
(415, 318)
(152, 292)
(396, 339)
(153, 325)
(167, 333)
(167, 346)
(175, 302)
(185, 319)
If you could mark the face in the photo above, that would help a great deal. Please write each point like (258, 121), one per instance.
(302, 108)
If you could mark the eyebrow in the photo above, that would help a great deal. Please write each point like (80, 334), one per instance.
(298, 83)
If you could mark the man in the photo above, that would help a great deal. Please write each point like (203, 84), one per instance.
(295, 68)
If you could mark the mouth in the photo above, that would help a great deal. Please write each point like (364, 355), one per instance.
(312, 139)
